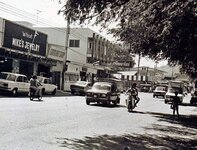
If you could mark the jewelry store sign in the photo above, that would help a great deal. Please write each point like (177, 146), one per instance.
(24, 39)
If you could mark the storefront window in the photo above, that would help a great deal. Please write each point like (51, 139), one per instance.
(71, 77)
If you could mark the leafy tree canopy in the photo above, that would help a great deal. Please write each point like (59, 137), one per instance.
(160, 29)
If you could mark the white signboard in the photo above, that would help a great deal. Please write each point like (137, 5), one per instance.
(57, 53)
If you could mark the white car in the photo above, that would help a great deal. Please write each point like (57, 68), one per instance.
(14, 83)
(171, 93)
(47, 86)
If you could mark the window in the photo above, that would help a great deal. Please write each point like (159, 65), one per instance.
(25, 79)
(127, 77)
(90, 45)
(74, 43)
(20, 79)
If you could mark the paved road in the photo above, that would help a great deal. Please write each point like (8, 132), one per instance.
(68, 123)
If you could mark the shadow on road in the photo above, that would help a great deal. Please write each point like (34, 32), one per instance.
(107, 105)
(132, 142)
(189, 121)
(168, 133)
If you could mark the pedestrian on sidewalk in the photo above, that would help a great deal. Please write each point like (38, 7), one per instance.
(175, 104)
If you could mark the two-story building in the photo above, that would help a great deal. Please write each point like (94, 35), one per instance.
(43, 51)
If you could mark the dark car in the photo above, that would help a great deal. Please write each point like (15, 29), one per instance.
(103, 92)
(80, 87)
(160, 91)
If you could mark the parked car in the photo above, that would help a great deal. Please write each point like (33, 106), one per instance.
(14, 83)
(193, 99)
(159, 91)
(47, 86)
(103, 92)
(171, 93)
(80, 87)
(145, 88)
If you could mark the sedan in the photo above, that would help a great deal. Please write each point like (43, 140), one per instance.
(171, 94)
(47, 86)
(80, 87)
(159, 91)
(103, 92)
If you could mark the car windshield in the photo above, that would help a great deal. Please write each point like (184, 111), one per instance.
(81, 82)
(101, 86)
(3, 75)
(179, 90)
(160, 88)
(7, 76)
(40, 79)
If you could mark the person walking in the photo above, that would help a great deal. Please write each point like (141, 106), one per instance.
(175, 104)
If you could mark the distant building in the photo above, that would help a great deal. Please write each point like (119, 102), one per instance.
(146, 75)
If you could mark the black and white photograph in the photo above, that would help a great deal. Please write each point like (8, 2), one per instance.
(98, 75)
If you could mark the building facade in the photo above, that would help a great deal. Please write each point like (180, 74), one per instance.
(23, 50)
(146, 75)
(43, 51)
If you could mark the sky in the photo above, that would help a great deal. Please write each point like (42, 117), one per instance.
(44, 13)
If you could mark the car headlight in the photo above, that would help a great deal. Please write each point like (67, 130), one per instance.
(103, 95)
(88, 94)
(167, 96)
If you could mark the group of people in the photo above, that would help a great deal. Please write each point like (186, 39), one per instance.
(175, 101)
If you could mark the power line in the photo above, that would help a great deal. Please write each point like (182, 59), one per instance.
(33, 18)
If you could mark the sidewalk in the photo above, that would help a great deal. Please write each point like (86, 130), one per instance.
(62, 93)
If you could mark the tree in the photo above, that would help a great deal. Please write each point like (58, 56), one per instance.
(160, 29)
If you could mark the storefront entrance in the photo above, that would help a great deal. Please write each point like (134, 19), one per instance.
(26, 68)
(44, 70)
(5, 64)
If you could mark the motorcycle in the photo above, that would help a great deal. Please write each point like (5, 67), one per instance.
(130, 103)
(33, 96)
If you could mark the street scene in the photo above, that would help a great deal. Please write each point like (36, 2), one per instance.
(98, 75)
(68, 123)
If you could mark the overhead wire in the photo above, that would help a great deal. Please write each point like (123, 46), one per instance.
(33, 18)
(17, 12)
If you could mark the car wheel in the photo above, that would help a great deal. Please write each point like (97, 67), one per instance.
(108, 102)
(153, 96)
(72, 92)
(14, 92)
(165, 102)
(87, 102)
(115, 103)
(191, 101)
(54, 92)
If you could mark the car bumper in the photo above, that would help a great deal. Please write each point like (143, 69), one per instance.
(159, 94)
(4, 89)
(96, 99)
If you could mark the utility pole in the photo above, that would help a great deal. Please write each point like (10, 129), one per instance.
(37, 13)
(138, 67)
(66, 49)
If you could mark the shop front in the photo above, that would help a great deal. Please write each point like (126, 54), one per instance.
(57, 53)
(23, 50)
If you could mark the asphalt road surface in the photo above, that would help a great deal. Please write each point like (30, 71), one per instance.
(59, 123)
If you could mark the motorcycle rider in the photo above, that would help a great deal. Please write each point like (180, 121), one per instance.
(134, 93)
(34, 85)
